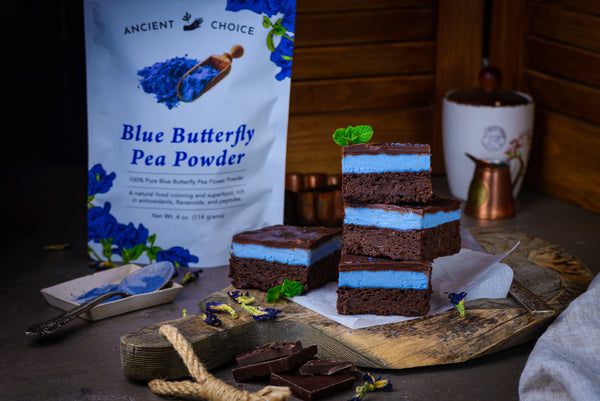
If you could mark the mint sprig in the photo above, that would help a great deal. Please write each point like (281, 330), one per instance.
(288, 289)
(352, 135)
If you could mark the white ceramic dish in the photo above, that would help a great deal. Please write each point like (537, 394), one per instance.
(62, 295)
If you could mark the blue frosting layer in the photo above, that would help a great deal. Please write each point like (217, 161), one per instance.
(291, 256)
(384, 279)
(364, 216)
(381, 163)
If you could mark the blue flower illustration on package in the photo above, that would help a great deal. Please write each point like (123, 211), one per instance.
(282, 29)
(126, 240)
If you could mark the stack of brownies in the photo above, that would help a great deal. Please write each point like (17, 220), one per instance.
(394, 226)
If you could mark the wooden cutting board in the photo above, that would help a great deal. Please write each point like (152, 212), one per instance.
(544, 269)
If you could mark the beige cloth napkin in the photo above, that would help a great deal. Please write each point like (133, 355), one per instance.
(565, 362)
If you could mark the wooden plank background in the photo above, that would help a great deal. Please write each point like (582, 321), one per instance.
(358, 63)
(557, 61)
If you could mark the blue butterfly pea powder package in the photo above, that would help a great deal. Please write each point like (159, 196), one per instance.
(188, 106)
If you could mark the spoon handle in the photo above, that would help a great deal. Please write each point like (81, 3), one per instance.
(54, 324)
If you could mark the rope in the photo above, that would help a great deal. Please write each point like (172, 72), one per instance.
(206, 385)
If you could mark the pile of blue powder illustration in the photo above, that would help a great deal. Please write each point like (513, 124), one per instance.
(161, 78)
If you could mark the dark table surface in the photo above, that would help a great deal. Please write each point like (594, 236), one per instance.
(82, 361)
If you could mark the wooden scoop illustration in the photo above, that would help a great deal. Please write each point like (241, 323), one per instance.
(193, 83)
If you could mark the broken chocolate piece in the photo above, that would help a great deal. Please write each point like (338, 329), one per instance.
(274, 365)
(323, 367)
(312, 387)
(268, 352)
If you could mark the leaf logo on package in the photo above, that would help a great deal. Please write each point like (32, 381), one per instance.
(181, 79)
(196, 23)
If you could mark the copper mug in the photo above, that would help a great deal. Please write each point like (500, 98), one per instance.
(491, 190)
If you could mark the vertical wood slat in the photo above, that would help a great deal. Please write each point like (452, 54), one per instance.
(507, 40)
(459, 55)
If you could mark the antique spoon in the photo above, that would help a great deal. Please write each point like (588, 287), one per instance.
(147, 279)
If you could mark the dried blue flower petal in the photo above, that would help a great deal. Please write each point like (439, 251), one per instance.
(456, 298)
(240, 297)
(377, 384)
(458, 301)
(211, 319)
(371, 385)
(260, 313)
(216, 307)
(189, 277)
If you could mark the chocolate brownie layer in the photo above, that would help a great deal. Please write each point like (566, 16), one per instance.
(286, 236)
(263, 275)
(423, 244)
(383, 301)
(386, 148)
(350, 263)
(390, 187)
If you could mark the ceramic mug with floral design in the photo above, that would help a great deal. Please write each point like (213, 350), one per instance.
(496, 126)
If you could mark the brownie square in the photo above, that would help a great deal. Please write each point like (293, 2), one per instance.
(404, 232)
(264, 258)
(383, 301)
(383, 286)
(386, 173)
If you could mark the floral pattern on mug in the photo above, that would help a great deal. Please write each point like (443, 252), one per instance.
(517, 146)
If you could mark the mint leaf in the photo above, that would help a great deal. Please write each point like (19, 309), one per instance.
(353, 135)
(288, 288)
(364, 133)
(273, 294)
(339, 137)
(291, 288)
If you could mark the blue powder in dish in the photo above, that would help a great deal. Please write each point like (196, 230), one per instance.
(160, 79)
(194, 83)
(96, 292)
(148, 284)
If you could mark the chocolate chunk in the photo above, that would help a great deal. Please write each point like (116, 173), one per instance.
(323, 367)
(267, 352)
(312, 387)
(274, 365)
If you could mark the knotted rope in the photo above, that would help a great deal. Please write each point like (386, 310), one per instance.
(206, 385)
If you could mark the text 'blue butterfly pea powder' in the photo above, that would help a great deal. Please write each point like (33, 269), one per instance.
(161, 78)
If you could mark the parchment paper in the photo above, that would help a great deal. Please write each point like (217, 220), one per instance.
(479, 274)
